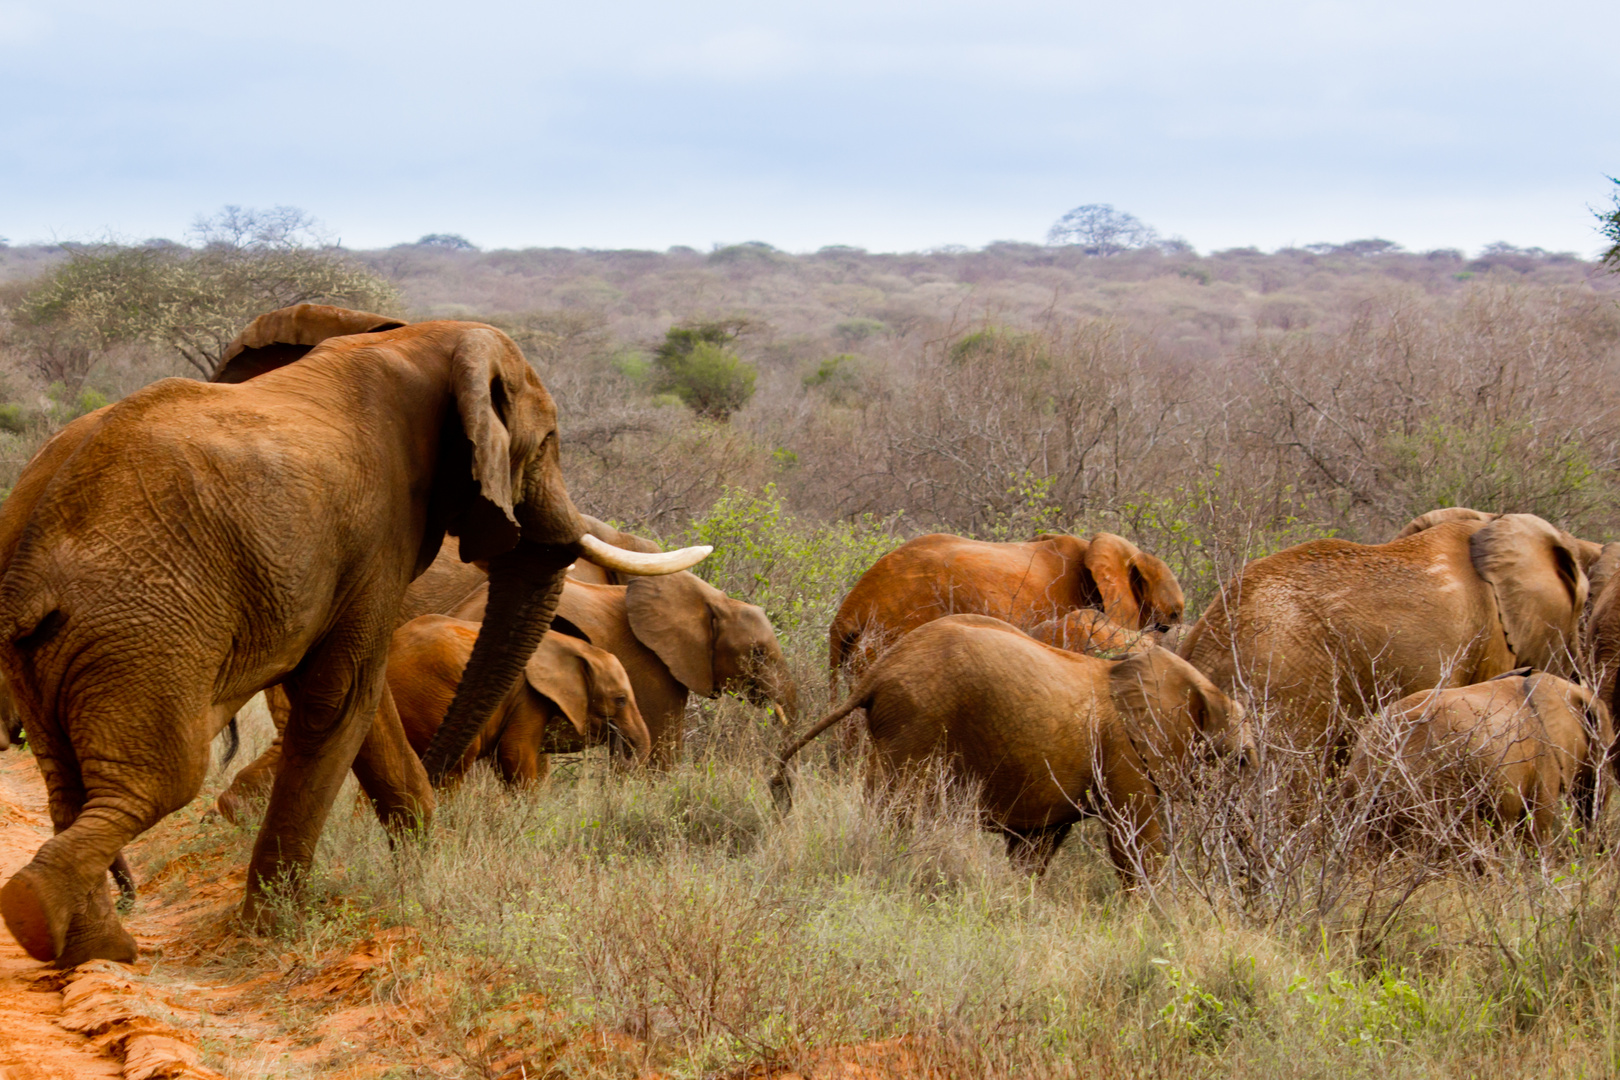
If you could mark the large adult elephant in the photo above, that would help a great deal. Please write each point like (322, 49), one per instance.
(1024, 584)
(1325, 631)
(1045, 735)
(169, 556)
(677, 636)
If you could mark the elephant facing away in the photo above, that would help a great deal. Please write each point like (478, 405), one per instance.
(572, 696)
(167, 557)
(1024, 584)
(1046, 736)
(1324, 631)
(1504, 754)
(676, 636)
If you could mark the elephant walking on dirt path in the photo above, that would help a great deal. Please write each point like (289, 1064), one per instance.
(167, 557)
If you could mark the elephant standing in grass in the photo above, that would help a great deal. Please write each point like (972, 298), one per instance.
(1325, 631)
(1505, 754)
(169, 556)
(572, 696)
(677, 636)
(1025, 584)
(1046, 736)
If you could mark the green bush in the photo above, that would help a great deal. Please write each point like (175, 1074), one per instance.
(695, 365)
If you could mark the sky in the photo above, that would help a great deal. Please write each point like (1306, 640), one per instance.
(894, 126)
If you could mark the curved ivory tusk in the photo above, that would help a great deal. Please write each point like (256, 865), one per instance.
(646, 564)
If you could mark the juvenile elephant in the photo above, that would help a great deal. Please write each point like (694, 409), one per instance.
(1326, 630)
(1047, 736)
(1024, 584)
(572, 696)
(676, 636)
(1090, 631)
(167, 557)
(1504, 754)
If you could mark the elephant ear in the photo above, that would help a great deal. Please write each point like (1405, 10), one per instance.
(1111, 562)
(1164, 706)
(1601, 568)
(1535, 573)
(484, 520)
(277, 338)
(674, 617)
(557, 672)
(1440, 517)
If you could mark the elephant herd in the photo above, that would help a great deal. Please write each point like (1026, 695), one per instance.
(1440, 653)
(366, 521)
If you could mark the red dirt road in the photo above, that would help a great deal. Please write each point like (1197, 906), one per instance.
(32, 1045)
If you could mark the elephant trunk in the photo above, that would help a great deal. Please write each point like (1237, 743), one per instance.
(525, 585)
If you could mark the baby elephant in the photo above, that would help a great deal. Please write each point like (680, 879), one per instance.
(1047, 736)
(572, 695)
(1503, 754)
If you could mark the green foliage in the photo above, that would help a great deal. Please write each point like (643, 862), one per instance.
(193, 301)
(997, 343)
(1371, 1014)
(798, 572)
(695, 364)
(845, 380)
(1511, 466)
(1609, 226)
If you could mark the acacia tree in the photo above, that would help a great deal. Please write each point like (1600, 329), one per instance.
(192, 300)
(1609, 226)
(696, 365)
(1101, 230)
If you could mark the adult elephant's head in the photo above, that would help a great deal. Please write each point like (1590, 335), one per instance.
(497, 480)
(1136, 589)
(711, 642)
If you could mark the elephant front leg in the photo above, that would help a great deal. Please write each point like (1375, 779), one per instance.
(334, 697)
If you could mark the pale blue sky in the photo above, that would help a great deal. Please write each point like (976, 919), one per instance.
(890, 125)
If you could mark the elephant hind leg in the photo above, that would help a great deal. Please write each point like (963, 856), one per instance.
(1032, 850)
(58, 907)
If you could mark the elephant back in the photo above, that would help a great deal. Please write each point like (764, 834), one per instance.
(277, 338)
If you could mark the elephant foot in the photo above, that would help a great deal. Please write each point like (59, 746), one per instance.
(49, 928)
(92, 936)
(38, 924)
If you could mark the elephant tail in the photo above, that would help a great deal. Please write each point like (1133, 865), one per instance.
(124, 877)
(233, 742)
(782, 782)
